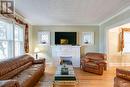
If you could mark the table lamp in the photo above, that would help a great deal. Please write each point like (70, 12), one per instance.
(36, 50)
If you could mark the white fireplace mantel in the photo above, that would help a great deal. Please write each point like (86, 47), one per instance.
(66, 51)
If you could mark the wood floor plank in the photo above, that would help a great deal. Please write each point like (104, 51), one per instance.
(85, 79)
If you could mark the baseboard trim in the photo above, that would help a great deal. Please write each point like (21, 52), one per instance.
(119, 64)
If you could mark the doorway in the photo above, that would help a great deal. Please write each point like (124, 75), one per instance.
(119, 46)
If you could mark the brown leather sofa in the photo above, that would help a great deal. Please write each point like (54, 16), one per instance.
(94, 63)
(122, 78)
(22, 71)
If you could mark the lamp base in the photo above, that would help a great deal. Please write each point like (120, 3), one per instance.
(36, 56)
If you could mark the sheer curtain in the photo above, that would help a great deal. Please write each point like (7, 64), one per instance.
(19, 40)
(11, 39)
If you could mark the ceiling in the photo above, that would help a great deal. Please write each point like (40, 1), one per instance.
(69, 12)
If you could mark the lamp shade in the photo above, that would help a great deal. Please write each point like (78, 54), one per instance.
(36, 50)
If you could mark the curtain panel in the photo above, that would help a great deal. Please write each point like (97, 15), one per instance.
(26, 36)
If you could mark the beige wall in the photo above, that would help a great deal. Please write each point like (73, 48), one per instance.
(113, 41)
(46, 50)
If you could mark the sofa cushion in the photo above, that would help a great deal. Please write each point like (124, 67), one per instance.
(123, 73)
(91, 65)
(15, 72)
(29, 75)
(9, 83)
(96, 56)
(119, 82)
(13, 63)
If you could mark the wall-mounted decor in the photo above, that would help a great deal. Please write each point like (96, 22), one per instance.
(44, 38)
(65, 38)
(87, 38)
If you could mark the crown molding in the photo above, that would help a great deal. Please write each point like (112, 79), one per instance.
(67, 25)
(117, 14)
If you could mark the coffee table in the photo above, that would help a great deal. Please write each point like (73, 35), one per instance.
(69, 79)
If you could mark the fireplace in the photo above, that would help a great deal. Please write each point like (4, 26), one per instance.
(66, 52)
(66, 60)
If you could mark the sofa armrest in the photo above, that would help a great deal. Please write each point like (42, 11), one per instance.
(100, 61)
(123, 73)
(39, 61)
(119, 82)
(85, 60)
(9, 83)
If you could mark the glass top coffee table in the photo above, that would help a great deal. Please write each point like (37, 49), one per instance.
(65, 79)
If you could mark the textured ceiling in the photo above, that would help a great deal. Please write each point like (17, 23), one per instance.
(69, 12)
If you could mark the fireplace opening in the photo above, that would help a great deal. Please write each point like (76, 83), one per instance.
(66, 60)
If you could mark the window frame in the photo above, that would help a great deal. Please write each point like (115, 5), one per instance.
(22, 27)
(40, 37)
(11, 42)
(91, 38)
(123, 38)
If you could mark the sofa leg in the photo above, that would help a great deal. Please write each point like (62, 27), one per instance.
(81, 67)
(105, 67)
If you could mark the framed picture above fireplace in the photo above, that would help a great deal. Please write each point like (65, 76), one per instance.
(65, 38)
(87, 38)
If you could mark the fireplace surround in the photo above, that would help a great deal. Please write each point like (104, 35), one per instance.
(66, 52)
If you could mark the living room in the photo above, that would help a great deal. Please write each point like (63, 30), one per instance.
(87, 39)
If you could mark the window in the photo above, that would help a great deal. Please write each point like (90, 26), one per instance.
(6, 40)
(19, 40)
(44, 38)
(88, 38)
(126, 42)
(11, 44)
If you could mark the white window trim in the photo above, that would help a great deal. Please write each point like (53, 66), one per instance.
(39, 37)
(125, 47)
(91, 36)
(13, 23)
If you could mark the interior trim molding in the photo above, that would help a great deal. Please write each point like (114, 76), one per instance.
(117, 14)
(119, 64)
(66, 25)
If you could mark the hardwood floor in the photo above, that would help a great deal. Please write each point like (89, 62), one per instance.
(85, 79)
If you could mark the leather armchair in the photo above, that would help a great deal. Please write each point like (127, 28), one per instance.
(94, 63)
(122, 78)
